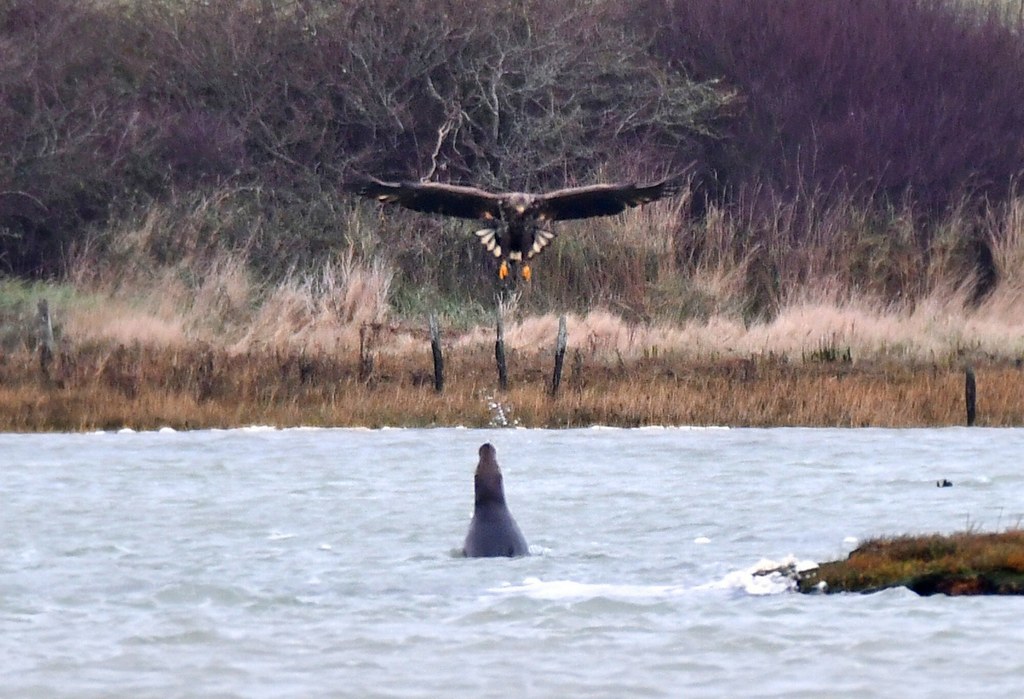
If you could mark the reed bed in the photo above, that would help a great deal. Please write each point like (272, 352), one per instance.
(671, 320)
(103, 388)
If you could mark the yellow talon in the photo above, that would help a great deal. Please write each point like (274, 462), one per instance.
(503, 270)
(526, 272)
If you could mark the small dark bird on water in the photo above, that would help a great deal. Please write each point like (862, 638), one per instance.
(944, 483)
(518, 216)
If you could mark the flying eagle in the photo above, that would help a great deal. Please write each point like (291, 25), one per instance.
(518, 216)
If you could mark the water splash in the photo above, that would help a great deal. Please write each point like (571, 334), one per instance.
(766, 577)
(500, 414)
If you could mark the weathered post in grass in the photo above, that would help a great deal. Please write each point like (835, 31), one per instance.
(46, 343)
(499, 354)
(435, 348)
(560, 343)
(970, 395)
(365, 353)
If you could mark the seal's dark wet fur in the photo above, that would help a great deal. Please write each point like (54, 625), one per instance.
(493, 531)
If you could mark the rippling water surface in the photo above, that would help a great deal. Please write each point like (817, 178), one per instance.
(298, 563)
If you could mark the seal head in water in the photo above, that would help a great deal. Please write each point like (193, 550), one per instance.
(493, 531)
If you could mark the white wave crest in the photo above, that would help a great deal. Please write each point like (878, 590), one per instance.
(766, 577)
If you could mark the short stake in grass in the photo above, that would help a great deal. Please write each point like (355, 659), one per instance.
(499, 354)
(970, 395)
(435, 349)
(560, 343)
(46, 342)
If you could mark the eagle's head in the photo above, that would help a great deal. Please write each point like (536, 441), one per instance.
(520, 204)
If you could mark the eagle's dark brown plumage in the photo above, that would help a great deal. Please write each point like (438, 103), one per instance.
(518, 216)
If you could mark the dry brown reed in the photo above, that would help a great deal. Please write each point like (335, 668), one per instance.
(197, 386)
(164, 281)
(324, 309)
(840, 320)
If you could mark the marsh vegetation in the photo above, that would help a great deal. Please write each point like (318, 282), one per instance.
(965, 563)
(169, 182)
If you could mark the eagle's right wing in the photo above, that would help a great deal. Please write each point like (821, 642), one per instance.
(430, 197)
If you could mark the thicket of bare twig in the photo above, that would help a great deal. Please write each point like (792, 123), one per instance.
(861, 152)
(105, 107)
(883, 99)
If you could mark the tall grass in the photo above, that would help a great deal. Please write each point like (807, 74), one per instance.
(173, 167)
(678, 322)
(652, 280)
(321, 310)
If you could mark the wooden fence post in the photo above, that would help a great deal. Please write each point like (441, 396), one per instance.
(970, 395)
(435, 349)
(46, 342)
(499, 354)
(365, 352)
(560, 344)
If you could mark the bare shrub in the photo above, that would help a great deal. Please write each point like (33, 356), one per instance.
(516, 95)
(863, 149)
(108, 105)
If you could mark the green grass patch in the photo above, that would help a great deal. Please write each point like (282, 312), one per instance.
(965, 563)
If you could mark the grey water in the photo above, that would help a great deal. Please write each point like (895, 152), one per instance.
(310, 562)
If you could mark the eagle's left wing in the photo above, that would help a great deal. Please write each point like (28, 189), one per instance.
(601, 199)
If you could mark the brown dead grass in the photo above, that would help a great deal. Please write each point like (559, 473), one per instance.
(938, 328)
(171, 328)
(199, 386)
(324, 309)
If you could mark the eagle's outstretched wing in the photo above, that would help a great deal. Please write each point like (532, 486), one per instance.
(602, 199)
(430, 197)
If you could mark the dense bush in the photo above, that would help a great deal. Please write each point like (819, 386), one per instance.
(880, 98)
(242, 117)
(105, 105)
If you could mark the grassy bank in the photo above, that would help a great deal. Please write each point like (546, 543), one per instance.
(101, 387)
(202, 341)
(966, 563)
(172, 187)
